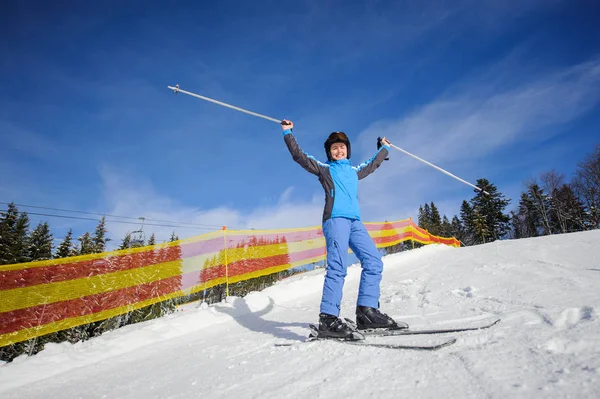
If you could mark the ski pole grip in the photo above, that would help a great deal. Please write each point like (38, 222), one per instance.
(379, 145)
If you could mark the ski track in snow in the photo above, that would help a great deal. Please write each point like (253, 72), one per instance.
(545, 290)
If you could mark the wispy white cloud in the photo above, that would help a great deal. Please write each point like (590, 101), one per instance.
(461, 128)
(127, 194)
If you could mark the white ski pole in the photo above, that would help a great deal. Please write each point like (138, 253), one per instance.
(176, 89)
(440, 169)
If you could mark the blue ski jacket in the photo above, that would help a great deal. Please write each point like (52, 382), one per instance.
(338, 178)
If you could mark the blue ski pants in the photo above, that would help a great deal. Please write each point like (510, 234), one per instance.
(341, 233)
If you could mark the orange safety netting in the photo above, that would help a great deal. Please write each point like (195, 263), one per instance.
(39, 298)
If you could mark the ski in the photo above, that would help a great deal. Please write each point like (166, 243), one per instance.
(423, 347)
(358, 339)
(385, 333)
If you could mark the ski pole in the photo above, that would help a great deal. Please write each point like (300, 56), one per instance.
(440, 169)
(176, 89)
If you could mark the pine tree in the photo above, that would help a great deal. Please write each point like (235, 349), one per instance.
(20, 248)
(527, 218)
(489, 209)
(435, 221)
(423, 217)
(99, 240)
(126, 243)
(152, 240)
(516, 225)
(466, 216)
(8, 223)
(40, 242)
(457, 229)
(482, 231)
(14, 236)
(446, 227)
(174, 237)
(86, 245)
(429, 219)
(65, 249)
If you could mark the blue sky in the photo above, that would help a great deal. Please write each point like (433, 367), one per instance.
(504, 90)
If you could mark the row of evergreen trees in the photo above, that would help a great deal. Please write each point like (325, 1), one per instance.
(481, 220)
(18, 243)
(551, 207)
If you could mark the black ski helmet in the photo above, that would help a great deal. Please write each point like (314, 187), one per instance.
(337, 137)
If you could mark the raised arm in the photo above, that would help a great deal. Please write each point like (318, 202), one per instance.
(309, 163)
(366, 168)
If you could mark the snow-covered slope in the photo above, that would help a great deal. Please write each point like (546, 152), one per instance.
(546, 290)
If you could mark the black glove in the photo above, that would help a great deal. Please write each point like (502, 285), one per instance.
(379, 145)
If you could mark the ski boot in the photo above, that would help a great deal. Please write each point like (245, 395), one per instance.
(371, 318)
(334, 327)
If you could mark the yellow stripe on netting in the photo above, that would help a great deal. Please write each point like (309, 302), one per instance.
(388, 233)
(21, 298)
(200, 262)
(429, 237)
(266, 251)
(28, 333)
(256, 252)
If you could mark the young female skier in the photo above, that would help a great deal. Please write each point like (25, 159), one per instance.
(342, 228)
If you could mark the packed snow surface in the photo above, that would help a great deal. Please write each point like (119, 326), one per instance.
(545, 290)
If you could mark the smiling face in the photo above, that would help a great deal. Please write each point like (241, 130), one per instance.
(338, 151)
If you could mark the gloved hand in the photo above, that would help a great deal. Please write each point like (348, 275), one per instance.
(380, 142)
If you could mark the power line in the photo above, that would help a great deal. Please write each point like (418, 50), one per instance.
(158, 240)
(116, 221)
(207, 226)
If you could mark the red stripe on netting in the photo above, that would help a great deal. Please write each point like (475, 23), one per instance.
(43, 314)
(243, 266)
(251, 265)
(392, 238)
(22, 278)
